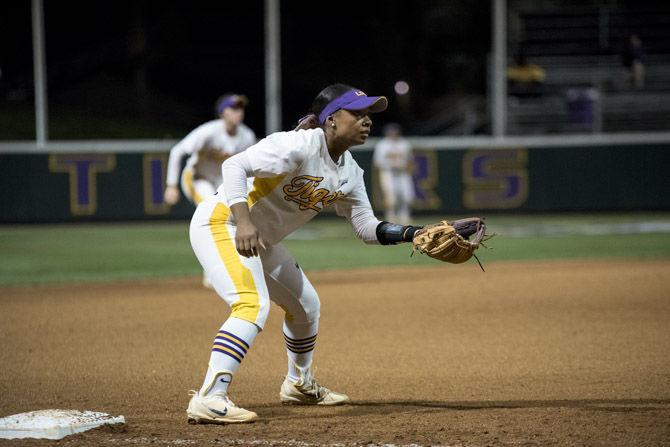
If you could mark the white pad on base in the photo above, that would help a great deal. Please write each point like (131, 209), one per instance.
(53, 424)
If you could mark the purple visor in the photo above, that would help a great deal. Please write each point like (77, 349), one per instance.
(354, 100)
(232, 101)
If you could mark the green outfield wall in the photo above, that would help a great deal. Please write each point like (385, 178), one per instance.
(129, 186)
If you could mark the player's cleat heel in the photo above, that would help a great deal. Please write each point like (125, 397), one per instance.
(309, 392)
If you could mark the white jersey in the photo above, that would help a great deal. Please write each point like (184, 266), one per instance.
(211, 135)
(394, 155)
(294, 178)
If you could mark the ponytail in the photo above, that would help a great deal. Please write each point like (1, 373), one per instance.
(310, 121)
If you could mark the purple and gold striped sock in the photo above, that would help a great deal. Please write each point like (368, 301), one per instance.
(300, 340)
(231, 345)
(300, 346)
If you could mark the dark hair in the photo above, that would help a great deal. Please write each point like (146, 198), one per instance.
(311, 120)
(327, 95)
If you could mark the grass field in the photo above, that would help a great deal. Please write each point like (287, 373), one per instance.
(35, 254)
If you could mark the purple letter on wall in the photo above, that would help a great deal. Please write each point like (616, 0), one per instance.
(154, 167)
(82, 169)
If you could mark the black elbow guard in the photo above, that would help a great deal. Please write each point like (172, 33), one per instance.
(391, 234)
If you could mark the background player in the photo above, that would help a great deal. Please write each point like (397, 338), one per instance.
(393, 160)
(207, 146)
(236, 236)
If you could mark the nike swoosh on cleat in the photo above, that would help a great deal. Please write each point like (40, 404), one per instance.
(217, 412)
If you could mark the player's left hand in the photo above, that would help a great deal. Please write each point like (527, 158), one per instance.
(449, 241)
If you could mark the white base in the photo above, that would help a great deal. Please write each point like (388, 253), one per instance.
(53, 424)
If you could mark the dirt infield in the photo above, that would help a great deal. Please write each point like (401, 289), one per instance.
(560, 353)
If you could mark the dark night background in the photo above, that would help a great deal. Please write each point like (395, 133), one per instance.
(162, 64)
(150, 69)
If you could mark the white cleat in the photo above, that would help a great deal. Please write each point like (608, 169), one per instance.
(216, 408)
(308, 392)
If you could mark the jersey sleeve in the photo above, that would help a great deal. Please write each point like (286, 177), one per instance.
(356, 208)
(247, 139)
(272, 156)
(278, 154)
(235, 171)
(191, 143)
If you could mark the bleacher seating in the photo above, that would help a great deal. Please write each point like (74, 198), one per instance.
(591, 30)
(620, 111)
(580, 49)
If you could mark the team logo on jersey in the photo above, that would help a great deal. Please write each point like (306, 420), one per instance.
(304, 191)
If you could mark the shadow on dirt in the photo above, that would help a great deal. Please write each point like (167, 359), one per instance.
(389, 407)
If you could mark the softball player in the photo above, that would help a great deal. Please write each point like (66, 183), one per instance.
(268, 191)
(393, 159)
(207, 147)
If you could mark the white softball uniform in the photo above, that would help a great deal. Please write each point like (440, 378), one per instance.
(286, 179)
(393, 159)
(201, 176)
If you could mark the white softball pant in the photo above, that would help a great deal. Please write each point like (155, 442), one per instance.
(248, 284)
(195, 190)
